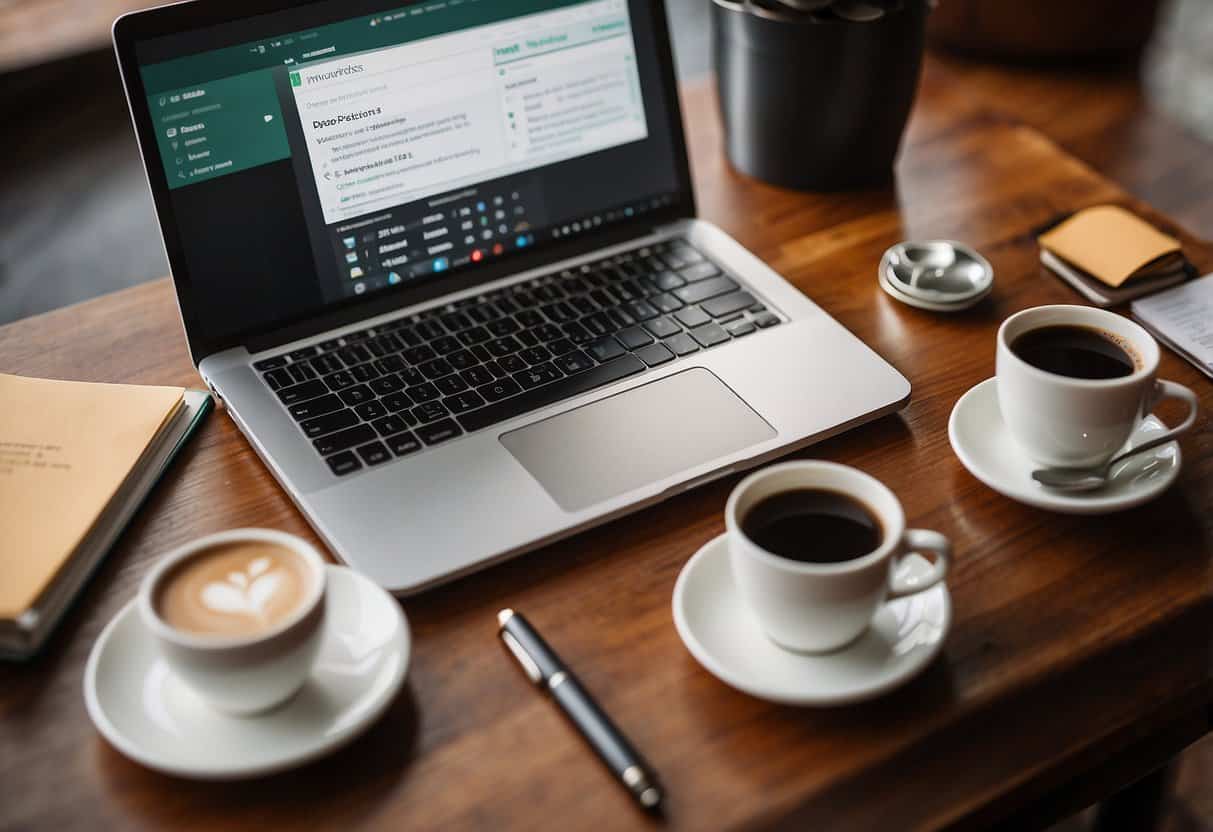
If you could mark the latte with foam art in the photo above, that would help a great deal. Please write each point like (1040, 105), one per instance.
(234, 589)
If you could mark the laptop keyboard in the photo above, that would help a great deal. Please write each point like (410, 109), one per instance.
(390, 390)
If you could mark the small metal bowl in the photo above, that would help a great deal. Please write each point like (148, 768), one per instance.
(941, 275)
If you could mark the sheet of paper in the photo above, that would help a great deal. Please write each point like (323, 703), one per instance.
(1109, 243)
(65, 448)
(1183, 316)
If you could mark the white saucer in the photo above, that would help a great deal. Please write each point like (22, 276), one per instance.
(151, 717)
(981, 439)
(724, 636)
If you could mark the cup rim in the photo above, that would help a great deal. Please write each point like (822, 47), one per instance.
(162, 629)
(893, 525)
(1149, 363)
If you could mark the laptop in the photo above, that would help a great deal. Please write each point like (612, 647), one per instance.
(440, 262)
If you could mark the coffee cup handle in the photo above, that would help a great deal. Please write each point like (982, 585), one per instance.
(922, 540)
(1171, 390)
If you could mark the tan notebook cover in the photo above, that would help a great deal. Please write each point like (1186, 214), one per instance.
(65, 448)
(1112, 245)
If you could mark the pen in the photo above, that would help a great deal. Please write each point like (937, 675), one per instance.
(545, 669)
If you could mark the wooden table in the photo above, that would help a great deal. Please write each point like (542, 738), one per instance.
(1080, 655)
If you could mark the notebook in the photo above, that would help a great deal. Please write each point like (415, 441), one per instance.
(1111, 256)
(76, 461)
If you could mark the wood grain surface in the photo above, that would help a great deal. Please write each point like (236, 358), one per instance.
(1081, 646)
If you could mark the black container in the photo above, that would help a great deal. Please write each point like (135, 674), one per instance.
(814, 102)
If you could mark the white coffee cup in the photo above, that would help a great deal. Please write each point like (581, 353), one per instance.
(1067, 422)
(818, 607)
(244, 674)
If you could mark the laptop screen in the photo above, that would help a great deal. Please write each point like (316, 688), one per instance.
(314, 165)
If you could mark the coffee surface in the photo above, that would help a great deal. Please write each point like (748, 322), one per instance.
(233, 589)
(1075, 352)
(811, 525)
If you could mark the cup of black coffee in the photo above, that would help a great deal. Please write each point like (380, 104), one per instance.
(813, 546)
(1074, 382)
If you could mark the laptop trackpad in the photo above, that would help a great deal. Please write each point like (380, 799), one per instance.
(637, 437)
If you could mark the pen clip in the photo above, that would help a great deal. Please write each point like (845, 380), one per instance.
(524, 659)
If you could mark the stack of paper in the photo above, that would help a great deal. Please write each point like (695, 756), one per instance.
(76, 460)
(1111, 256)
(1182, 318)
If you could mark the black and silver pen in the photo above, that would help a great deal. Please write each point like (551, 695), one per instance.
(546, 670)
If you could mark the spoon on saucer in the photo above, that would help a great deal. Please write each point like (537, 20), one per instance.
(1075, 480)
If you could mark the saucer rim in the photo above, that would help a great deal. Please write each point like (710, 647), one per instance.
(1092, 503)
(929, 305)
(155, 761)
(857, 695)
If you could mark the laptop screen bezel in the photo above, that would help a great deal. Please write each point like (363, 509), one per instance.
(184, 17)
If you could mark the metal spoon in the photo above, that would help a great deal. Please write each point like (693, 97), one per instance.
(1074, 480)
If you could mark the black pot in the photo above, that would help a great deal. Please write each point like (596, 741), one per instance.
(814, 102)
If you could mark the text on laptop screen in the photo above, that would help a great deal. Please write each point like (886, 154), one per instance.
(389, 150)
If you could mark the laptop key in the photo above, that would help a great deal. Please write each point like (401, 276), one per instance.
(370, 410)
(634, 338)
(499, 389)
(364, 372)
(641, 310)
(476, 376)
(316, 407)
(666, 302)
(302, 392)
(339, 380)
(662, 327)
(540, 374)
(446, 345)
(512, 364)
(411, 377)
(430, 412)
(277, 379)
(423, 393)
(387, 384)
(321, 425)
(574, 362)
(551, 393)
(709, 335)
(701, 291)
(437, 368)
(374, 453)
(419, 355)
(668, 281)
(740, 328)
(700, 271)
(654, 354)
(396, 402)
(344, 440)
(344, 463)
(605, 349)
(728, 304)
(403, 443)
(438, 432)
(682, 344)
(462, 360)
(270, 363)
(463, 402)
(765, 320)
(389, 425)
(692, 316)
(356, 395)
(450, 385)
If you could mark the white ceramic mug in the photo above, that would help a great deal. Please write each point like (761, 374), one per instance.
(1077, 423)
(817, 607)
(242, 674)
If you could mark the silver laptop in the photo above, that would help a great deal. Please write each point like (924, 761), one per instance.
(441, 263)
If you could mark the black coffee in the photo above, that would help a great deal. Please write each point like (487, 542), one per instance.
(813, 525)
(1074, 351)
